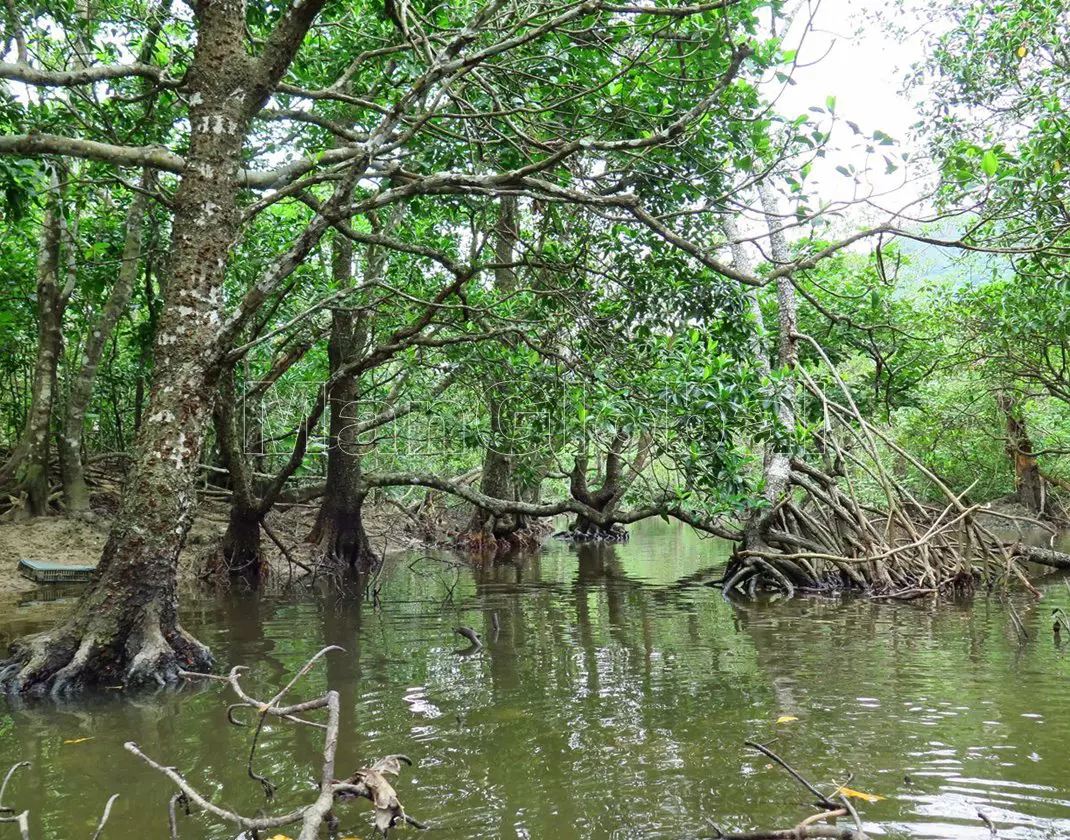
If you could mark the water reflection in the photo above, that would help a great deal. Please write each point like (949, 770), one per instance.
(610, 699)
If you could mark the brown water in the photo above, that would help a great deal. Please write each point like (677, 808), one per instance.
(613, 704)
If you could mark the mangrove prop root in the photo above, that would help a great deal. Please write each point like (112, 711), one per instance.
(821, 534)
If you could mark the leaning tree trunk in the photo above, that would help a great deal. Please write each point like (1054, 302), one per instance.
(125, 627)
(339, 530)
(72, 434)
(26, 469)
(1028, 483)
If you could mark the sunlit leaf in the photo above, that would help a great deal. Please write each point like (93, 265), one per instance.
(989, 163)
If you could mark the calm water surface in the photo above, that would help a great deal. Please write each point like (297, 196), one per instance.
(613, 703)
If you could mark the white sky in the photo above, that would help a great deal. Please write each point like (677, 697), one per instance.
(853, 59)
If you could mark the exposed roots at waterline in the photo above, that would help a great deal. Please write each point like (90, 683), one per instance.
(485, 543)
(822, 536)
(587, 531)
(87, 651)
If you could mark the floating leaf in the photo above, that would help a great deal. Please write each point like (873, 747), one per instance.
(78, 740)
(857, 794)
(786, 718)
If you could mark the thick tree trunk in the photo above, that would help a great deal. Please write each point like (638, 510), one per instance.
(1028, 483)
(339, 531)
(241, 545)
(497, 480)
(26, 469)
(71, 436)
(619, 476)
(125, 627)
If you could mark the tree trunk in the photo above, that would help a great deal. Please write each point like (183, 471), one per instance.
(498, 478)
(1028, 483)
(776, 470)
(339, 530)
(619, 476)
(71, 436)
(26, 470)
(241, 544)
(125, 627)
(240, 549)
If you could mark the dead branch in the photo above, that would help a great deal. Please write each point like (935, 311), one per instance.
(368, 783)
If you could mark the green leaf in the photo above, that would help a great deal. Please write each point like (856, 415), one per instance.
(989, 163)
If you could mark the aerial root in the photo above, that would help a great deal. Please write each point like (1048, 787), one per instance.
(823, 538)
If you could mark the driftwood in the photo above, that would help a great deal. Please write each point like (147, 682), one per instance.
(372, 785)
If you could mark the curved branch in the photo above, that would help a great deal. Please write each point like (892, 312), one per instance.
(29, 75)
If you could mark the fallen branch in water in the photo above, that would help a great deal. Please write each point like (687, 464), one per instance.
(807, 828)
(795, 774)
(371, 785)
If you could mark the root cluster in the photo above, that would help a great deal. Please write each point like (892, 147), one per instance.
(824, 535)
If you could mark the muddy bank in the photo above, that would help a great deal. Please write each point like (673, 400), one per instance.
(57, 539)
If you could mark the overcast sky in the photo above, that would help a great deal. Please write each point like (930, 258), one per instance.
(846, 56)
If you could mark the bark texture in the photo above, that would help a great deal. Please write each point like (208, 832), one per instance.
(125, 627)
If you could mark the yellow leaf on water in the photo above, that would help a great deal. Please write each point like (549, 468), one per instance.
(78, 740)
(1022, 52)
(857, 794)
(786, 718)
